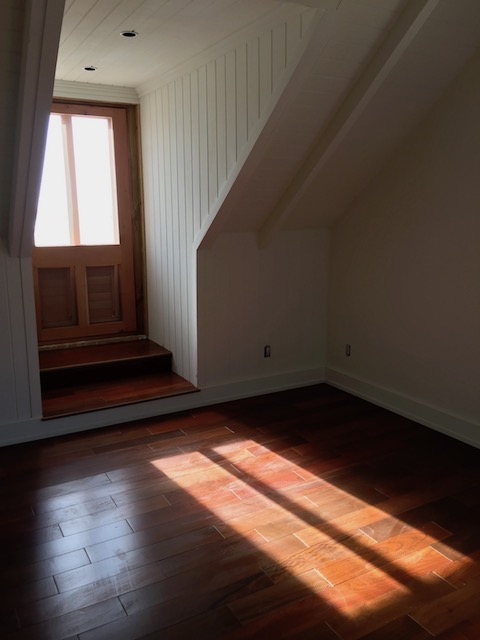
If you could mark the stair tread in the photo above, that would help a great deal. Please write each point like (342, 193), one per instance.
(93, 396)
(92, 355)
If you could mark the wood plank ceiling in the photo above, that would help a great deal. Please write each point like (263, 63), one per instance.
(170, 32)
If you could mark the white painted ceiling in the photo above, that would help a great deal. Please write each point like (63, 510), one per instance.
(169, 33)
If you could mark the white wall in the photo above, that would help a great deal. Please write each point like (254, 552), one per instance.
(405, 273)
(250, 297)
(196, 130)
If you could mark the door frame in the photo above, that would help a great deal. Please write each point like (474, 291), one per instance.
(129, 179)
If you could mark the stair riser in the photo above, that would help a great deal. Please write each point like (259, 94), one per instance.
(58, 378)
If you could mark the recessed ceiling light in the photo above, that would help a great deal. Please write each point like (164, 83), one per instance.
(90, 67)
(129, 34)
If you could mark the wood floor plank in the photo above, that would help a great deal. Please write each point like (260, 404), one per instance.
(137, 557)
(226, 576)
(72, 623)
(276, 552)
(154, 621)
(379, 555)
(62, 545)
(467, 630)
(294, 588)
(69, 486)
(397, 506)
(80, 597)
(84, 523)
(27, 592)
(219, 623)
(57, 564)
(374, 614)
(452, 608)
(136, 547)
(8, 620)
(459, 572)
(399, 629)
(303, 618)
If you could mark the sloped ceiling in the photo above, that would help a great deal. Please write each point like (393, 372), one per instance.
(372, 69)
(359, 98)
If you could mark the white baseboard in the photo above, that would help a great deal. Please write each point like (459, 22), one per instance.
(36, 428)
(425, 414)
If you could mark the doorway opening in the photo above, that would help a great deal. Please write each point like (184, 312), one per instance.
(88, 253)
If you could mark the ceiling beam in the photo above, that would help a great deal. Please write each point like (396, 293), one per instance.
(408, 25)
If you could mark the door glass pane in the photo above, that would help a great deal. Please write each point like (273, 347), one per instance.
(97, 206)
(77, 204)
(52, 228)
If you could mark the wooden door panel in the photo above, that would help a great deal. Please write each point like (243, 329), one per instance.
(57, 297)
(83, 292)
(103, 294)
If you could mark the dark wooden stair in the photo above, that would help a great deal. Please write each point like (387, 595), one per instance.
(91, 377)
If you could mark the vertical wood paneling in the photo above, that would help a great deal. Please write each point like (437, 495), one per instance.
(293, 35)
(153, 193)
(19, 379)
(279, 53)
(167, 212)
(242, 100)
(161, 238)
(195, 129)
(231, 113)
(173, 222)
(221, 98)
(7, 371)
(188, 212)
(195, 145)
(203, 108)
(212, 132)
(306, 18)
(181, 191)
(265, 69)
(253, 85)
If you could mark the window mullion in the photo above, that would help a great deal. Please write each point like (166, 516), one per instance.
(71, 180)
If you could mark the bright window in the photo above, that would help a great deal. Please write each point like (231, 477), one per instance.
(78, 203)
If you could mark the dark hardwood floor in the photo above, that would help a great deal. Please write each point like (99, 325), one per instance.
(303, 514)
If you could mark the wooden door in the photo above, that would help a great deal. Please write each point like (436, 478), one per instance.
(85, 289)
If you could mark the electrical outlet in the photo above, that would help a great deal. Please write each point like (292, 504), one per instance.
(267, 351)
(348, 350)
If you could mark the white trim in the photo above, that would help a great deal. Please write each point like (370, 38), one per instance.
(37, 429)
(428, 415)
(95, 92)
